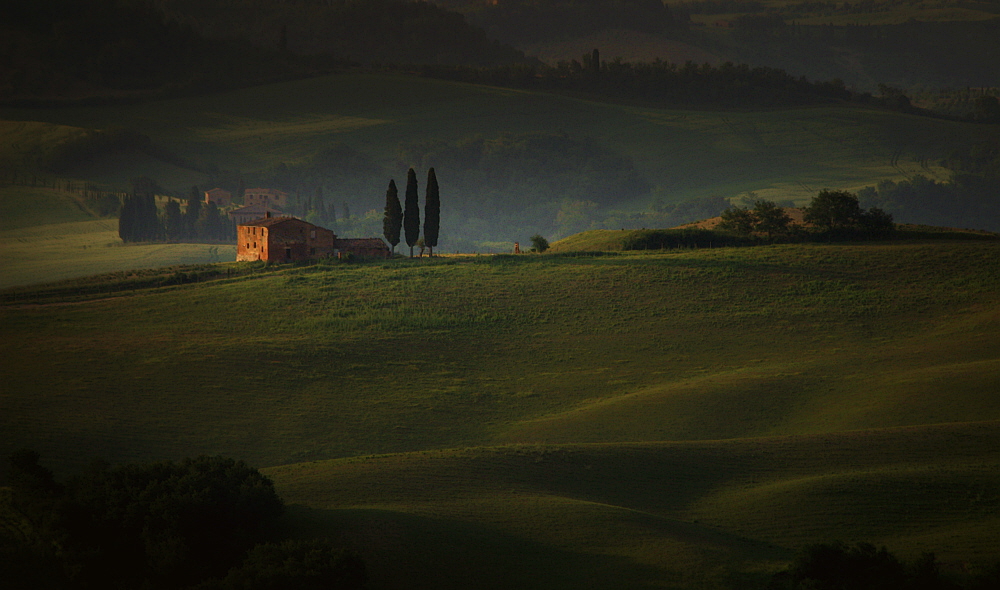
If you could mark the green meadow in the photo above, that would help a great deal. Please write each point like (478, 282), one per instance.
(678, 419)
(782, 155)
(586, 418)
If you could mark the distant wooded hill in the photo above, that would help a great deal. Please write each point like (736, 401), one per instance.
(64, 49)
(864, 43)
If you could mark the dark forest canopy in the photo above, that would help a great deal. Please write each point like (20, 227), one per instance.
(363, 31)
(528, 22)
(68, 49)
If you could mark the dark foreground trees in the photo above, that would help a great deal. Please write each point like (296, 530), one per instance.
(837, 566)
(156, 525)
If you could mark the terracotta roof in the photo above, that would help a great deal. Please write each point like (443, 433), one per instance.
(272, 221)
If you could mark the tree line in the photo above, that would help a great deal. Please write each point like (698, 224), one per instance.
(140, 220)
(207, 522)
(398, 218)
(527, 21)
(663, 82)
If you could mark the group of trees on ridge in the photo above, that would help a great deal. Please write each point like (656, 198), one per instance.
(210, 523)
(833, 213)
(398, 218)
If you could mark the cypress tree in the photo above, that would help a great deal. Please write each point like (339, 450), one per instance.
(173, 225)
(411, 211)
(392, 221)
(126, 219)
(139, 220)
(152, 229)
(432, 212)
(193, 212)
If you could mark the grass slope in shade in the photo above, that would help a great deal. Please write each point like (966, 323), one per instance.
(695, 513)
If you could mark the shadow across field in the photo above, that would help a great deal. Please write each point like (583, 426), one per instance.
(413, 552)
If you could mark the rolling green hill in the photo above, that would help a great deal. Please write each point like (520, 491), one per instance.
(682, 419)
(500, 154)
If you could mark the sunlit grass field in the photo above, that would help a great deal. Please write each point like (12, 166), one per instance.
(58, 251)
(679, 419)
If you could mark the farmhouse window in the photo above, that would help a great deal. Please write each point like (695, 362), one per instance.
(312, 234)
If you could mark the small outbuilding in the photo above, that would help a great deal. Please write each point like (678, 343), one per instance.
(363, 247)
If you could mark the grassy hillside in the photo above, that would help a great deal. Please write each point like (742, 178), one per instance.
(251, 133)
(683, 419)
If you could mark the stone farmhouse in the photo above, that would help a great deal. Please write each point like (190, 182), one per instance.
(288, 239)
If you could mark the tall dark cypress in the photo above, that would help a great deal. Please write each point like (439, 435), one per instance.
(193, 212)
(139, 220)
(127, 219)
(392, 222)
(411, 212)
(432, 212)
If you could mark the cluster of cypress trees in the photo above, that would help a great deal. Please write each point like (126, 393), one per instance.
(139, 220)
(397, 218)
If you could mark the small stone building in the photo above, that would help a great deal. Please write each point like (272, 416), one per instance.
(282, 239)
(363, 247)
(221, 197)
